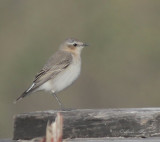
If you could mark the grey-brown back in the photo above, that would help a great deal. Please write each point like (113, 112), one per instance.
(56, 64)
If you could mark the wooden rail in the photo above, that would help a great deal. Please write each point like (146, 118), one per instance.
(157, 139)
(136, 123)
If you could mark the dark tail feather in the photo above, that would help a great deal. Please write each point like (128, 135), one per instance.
(26, 93)
(21, 97)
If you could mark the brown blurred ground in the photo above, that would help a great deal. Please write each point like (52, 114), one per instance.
(120, 67)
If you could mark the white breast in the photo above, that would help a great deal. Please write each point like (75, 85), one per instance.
(63, 79)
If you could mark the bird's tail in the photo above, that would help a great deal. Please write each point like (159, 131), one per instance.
(21, 97)
(26, 93)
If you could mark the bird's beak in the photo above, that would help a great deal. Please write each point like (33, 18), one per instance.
(84, 44)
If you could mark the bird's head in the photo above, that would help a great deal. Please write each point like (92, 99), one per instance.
(73, 45)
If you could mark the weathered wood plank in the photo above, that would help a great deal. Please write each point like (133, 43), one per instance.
(114, 140)
(100, 140)
(143, 122)
(97, 140)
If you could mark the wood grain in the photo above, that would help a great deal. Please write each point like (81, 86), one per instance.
(92, 123)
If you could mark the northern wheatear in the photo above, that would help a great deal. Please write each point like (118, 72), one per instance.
(60, 70)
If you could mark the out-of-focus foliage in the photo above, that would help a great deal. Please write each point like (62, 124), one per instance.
(120, 68)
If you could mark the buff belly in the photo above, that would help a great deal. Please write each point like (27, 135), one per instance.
(63, 79)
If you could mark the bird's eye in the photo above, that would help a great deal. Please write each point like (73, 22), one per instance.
(75, 44)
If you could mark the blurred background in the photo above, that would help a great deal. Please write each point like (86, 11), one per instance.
(120, 68)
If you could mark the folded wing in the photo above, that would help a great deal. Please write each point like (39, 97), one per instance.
(56, 64)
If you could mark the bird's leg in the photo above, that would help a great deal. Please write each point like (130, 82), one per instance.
(59, 102)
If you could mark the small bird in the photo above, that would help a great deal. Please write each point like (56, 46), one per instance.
(60, 71)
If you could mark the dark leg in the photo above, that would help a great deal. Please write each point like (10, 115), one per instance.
(59, 102)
